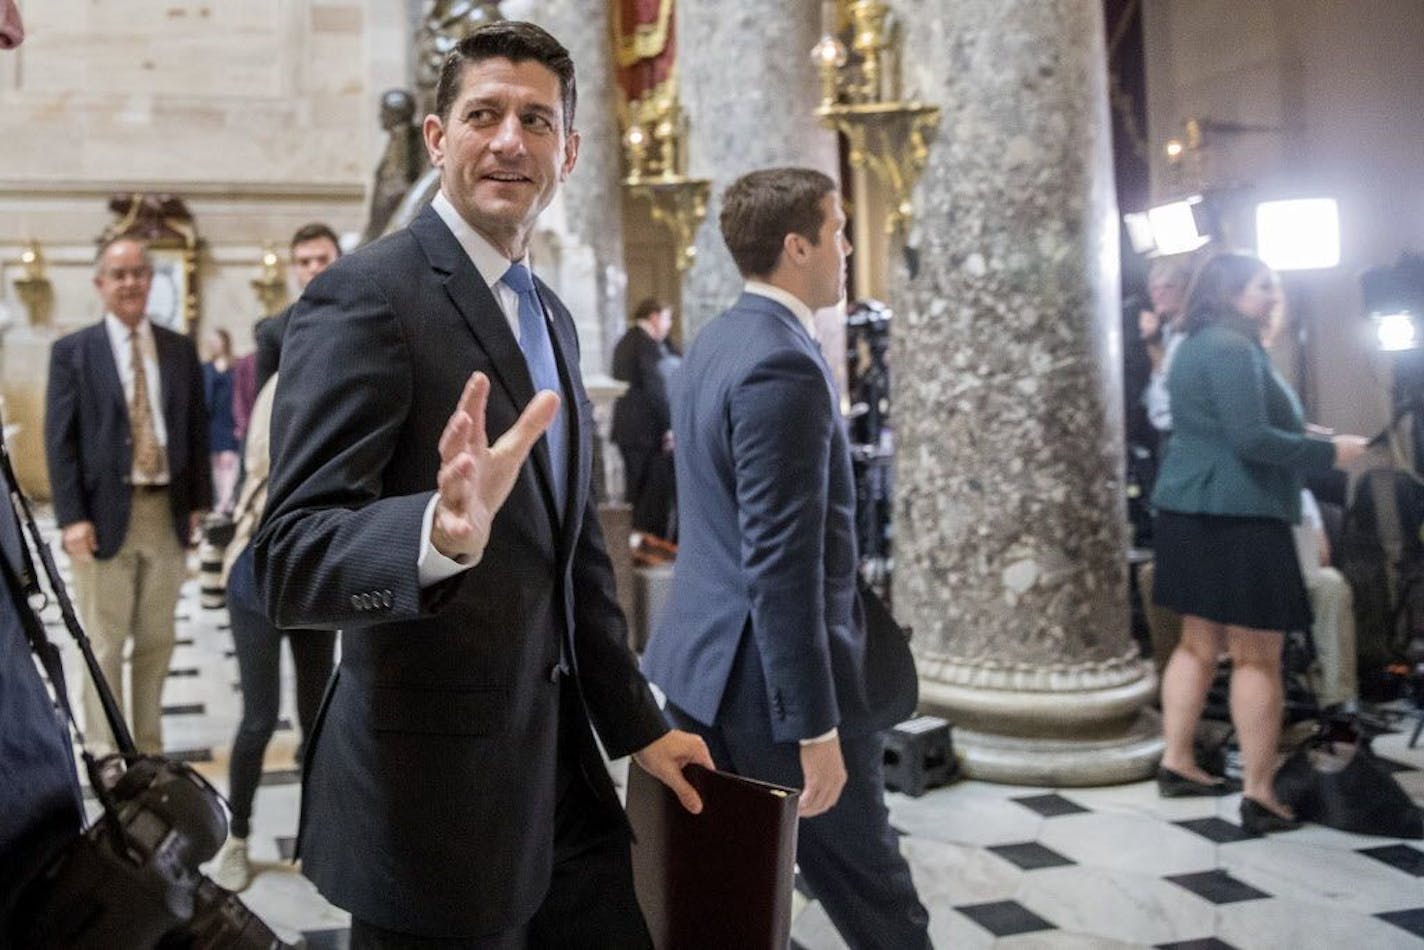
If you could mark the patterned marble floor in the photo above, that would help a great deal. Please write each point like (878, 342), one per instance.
(998, 866)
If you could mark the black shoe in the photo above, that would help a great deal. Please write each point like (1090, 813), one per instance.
(1176, 785)
(1260, 820)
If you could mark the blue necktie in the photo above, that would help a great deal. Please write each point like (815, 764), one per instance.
(543, 370)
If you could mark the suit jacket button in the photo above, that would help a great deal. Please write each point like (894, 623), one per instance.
(386, 599)
(555, 672)
(356, 601)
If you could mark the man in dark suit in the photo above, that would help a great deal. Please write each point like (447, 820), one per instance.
(314, 248)
(642, 419)
(126, 439)
(454, 790)
(40, 807)
(761, 649)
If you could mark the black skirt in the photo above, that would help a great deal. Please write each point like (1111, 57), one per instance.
(1238, 571)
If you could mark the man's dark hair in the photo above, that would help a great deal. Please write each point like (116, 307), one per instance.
(647, 307)
(761, 208)
(517, 42)
(314, 232)
(1217, 285)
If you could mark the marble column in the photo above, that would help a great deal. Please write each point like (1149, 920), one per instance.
(589, 218)
(1009, 531)
(749, 92)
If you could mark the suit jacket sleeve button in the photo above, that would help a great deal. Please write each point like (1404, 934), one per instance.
(386, 599)
(356, 601)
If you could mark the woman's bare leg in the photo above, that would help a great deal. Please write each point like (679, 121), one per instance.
(1185, 683)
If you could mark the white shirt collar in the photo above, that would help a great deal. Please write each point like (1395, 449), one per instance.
(790, 301)
(119, 331)
(488, 260)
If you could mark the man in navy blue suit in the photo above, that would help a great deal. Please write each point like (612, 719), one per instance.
(126, 439)
(453, 792)
(761, 650)
(40, 808)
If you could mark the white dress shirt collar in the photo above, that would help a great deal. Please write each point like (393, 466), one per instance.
(488, 260)
(119, 334)
(790, 301)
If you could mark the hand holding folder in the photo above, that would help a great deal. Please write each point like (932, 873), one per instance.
(719, 879)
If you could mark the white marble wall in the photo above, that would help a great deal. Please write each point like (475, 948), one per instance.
(262, 114)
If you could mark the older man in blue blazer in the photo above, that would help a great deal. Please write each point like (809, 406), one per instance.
(762, 647)
(126, 441)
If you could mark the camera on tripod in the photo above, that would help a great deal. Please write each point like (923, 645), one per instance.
(131, 878)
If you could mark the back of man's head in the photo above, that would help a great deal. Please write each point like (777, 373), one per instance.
(518, 42)
(761, 208)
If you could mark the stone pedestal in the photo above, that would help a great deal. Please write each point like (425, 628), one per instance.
(749, 92)
(1009, 534)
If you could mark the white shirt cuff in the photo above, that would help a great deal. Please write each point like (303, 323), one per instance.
(432, 567)
(825, 737)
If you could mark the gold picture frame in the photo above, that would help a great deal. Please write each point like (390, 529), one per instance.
(164, 223)
(173, 295)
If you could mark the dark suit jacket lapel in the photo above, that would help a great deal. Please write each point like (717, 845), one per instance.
(172, 389)
(101, 358)
(475, 302)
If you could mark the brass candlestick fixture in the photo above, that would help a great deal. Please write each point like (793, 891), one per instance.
(860, 98)
(270, 284)
(655, 152)
(33, 286)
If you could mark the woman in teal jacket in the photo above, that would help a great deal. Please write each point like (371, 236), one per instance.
(1226, 497)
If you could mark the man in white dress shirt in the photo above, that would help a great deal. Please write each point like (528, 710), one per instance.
(127, 446)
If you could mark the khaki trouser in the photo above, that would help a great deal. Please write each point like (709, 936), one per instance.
(1334, 677)
(133, 594)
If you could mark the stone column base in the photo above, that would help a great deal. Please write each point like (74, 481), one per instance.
(1103, 736)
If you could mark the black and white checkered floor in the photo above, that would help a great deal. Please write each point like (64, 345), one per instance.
(996, 865)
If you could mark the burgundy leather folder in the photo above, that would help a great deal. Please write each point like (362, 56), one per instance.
(720, 879)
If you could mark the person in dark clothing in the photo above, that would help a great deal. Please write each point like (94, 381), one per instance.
(222, 425)
(1226, 498)
(314, 248)
(642, 420)
(40, 807)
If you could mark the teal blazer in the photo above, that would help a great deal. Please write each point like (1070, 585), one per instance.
(1238, 443)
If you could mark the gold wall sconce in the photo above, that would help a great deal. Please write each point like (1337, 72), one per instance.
(680, 205)
(860, 98)
(34, 287)
(655, 153)
(270, 284)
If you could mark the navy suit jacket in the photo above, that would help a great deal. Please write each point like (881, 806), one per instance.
(428, 802)
(268, 333)
(40, 808)
(766, 507)
(88, 440)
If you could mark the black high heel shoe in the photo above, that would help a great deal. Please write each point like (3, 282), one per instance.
(1176, 785)
(1260, 820)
